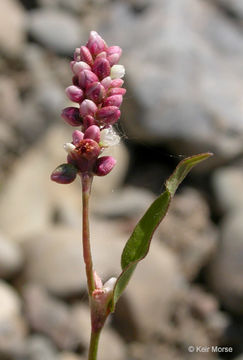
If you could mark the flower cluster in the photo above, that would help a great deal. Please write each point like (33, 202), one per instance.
(97, 89)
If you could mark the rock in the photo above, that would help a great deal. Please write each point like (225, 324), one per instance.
(11, 258)
(24, 202)
(188, 231)
(233, 6)
(111, 346)
(69, 356)
(228, 187)
(10, 107)
(40, 348)
(75, 6)
(225, 271)
(12, 325)
(156, 285)
(127, 202)
(31, 175)
(54, 258)
(56, 30)
(47, 92)
(190, 102)
(50, 317)
(12, 28)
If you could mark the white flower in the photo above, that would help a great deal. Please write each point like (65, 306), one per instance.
(117, 72)
(69, 147)
(108, 137)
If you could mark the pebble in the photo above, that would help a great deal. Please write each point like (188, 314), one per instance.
(56, 30)
(12, 28)
(54, 258)
(126, 202)
(225, 272)
(13, 328)
(39, 347)
(228, 187)
(189, 232)
(11, 258)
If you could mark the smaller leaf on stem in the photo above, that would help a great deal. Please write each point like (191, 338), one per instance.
(138, 244)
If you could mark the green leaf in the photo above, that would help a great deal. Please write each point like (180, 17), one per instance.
(138, 244)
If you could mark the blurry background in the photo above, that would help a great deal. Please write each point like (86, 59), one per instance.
(184, 73)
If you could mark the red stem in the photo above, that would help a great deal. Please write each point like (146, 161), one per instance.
(86, 188)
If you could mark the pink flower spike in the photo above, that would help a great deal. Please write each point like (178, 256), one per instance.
(87, 77)
(74, 93)
(95, 92)
(114, 100)
(117, 83)
(104, 165)
(71, 116)
(108, 114)
(96, 44)
(101, 67)
(106, 82)
(87, 107)
(86, 56)
(78, 66)
(77, 137)
(117, 91)
(93, 132)
(114, 54)
(88, 121)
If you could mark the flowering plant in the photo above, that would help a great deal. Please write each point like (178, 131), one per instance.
(97, 89)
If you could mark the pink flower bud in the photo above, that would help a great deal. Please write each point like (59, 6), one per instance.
(117, 91)
(104, 165)
(78, 66)
(77, 137)
(87, 107)
(95, 92)
(106, 82)
(85, 55)
(109, 114)
(114, 54)
(64, 174)
(93, 132)
(88, 121)
(114, 100)
(96, 44)
(116, 83)
(74, 93)
(71, 116)
(101, 67)
(76, 55)
(87, 77)
(88, 149)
